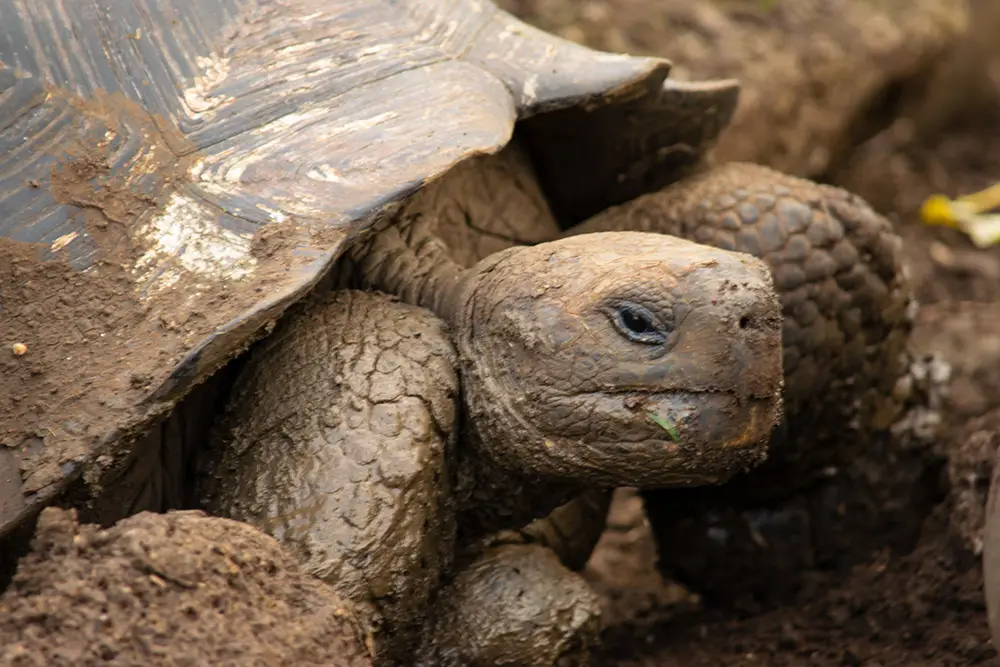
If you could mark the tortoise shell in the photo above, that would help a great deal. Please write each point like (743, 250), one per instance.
(174, 174)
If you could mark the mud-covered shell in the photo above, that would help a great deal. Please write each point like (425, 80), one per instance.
(175, 173)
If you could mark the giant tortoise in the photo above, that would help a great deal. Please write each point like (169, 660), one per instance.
(484, 275)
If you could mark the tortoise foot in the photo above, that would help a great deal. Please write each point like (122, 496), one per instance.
(515, 604)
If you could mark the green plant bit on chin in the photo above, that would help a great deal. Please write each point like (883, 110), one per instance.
(663, 423)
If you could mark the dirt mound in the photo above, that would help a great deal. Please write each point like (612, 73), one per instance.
(174, 589)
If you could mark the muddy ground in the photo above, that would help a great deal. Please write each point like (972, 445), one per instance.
(895, 101)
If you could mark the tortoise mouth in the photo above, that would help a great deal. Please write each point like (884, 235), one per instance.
(683, 439)
(726, 420)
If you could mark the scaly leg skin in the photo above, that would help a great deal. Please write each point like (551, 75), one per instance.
(514, 604)
(837, 266)
(335, 443)
(572, 530)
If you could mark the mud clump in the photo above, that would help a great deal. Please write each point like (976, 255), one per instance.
(179, 589)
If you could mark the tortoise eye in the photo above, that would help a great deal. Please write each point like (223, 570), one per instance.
(638, 324)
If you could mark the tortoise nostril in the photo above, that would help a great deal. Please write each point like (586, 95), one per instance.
(745, 322)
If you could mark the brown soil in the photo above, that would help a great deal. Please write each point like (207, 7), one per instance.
(176, 589)
(903, 585)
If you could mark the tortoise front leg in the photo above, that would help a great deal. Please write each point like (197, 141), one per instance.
(520, 601)
(335, 443)
(837, 266)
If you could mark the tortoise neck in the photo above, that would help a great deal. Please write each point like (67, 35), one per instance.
(396, 257)
(492, 498)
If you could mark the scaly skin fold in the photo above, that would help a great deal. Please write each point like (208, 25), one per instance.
(402, 256)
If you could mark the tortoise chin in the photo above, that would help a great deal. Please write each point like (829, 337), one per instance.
(623, 359)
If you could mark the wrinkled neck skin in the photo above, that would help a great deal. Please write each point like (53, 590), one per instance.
(492, 497)
(398, 257)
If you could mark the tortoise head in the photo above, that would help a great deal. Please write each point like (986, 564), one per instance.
(622, 359)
